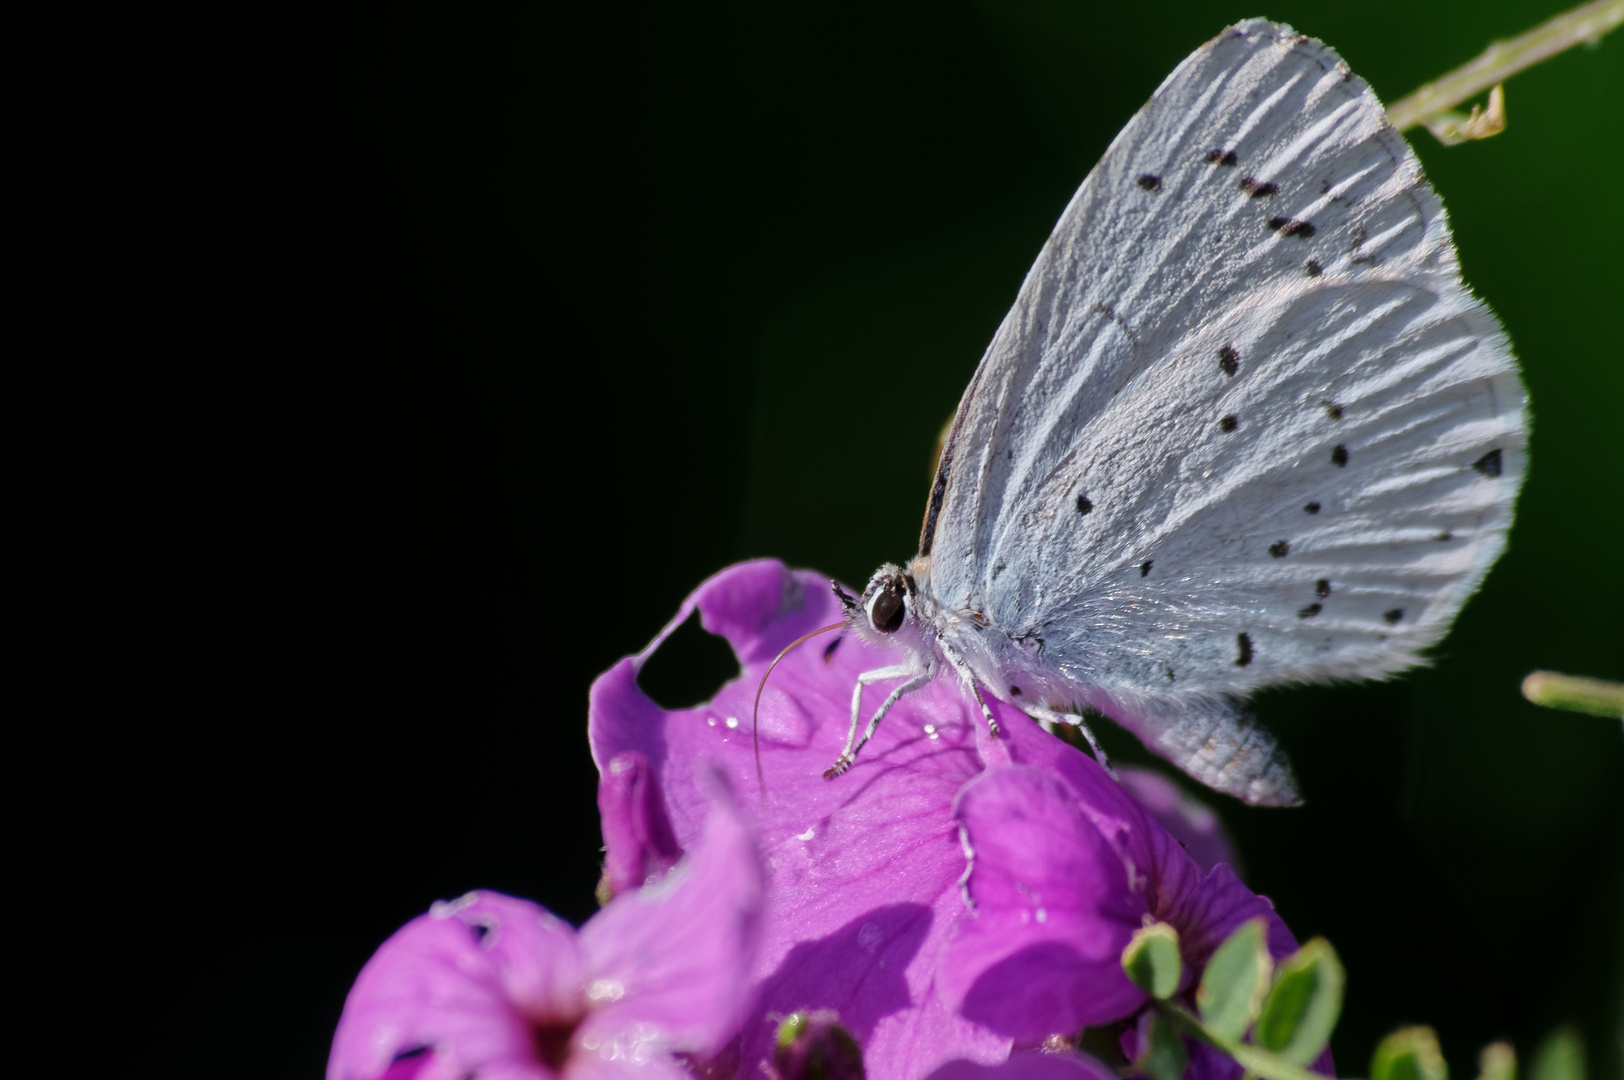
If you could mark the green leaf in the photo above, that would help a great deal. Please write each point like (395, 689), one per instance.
(1161, 1051)
(1498, 1061)
(1409, 1054)
(1232, 988)
(1151, 960)
(1561, 1056)
(1303, 1004)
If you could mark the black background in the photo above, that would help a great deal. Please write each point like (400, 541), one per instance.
(400, 367)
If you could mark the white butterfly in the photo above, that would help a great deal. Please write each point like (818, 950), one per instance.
(1244, 425)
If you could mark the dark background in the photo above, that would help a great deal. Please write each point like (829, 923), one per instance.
(401, 367)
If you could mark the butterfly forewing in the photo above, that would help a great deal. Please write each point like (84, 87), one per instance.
(1244, 424)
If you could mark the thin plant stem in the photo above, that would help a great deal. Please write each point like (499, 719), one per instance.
(1503, 59)
(1252, 1059)
(1575, 693)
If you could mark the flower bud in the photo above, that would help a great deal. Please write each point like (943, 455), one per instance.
(813, 1046)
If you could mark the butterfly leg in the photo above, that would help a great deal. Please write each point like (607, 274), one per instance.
(853, 743)
(968, 679)
(1049, 717)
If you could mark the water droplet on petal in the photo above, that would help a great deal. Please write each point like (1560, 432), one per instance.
(869, 937)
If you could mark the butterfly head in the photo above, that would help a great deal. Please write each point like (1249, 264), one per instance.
(886, 606)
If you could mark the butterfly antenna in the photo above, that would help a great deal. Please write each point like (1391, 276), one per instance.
(755, 736)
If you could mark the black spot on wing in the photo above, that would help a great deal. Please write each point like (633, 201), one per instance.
(1332, 409)
(1311, 508)
(1225, 158)
(1244, 643)
(1258, 189)
(1339, 456)
(1310, 611)
(1322, 588)
(1446, 535)
(1150, 183)
(1083, 505)
(1144, 567)
(1229, 423)
(1280, 549)
(1014, 691)
(1229, 361)
(1393, 615)
(1314, 268)
(1292, 227)
(1489, 464)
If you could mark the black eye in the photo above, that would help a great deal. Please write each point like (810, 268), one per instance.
(886, 612)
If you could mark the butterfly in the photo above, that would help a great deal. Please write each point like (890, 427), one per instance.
(1245, 425)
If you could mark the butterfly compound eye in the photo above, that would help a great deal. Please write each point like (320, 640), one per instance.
(885, 611)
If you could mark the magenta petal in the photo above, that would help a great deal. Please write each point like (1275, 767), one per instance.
(757, 606)
(1053, 909)
(1211, 907)
(457, 992)
(1028, 1066)
(637, 839)
(668, 965)
(862, 872)
(1204, 906)
(1100, 799)
(1193, 824)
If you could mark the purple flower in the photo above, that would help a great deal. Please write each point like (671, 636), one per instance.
(497, 987)
(1041, 951)
(866, 910)
(1064, 868)
(863, 872)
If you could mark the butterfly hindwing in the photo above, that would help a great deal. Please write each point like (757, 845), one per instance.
(1244, 423)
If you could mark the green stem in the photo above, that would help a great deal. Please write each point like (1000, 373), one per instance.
(1251, 1058)
(1503, 59)
(1575, 693)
